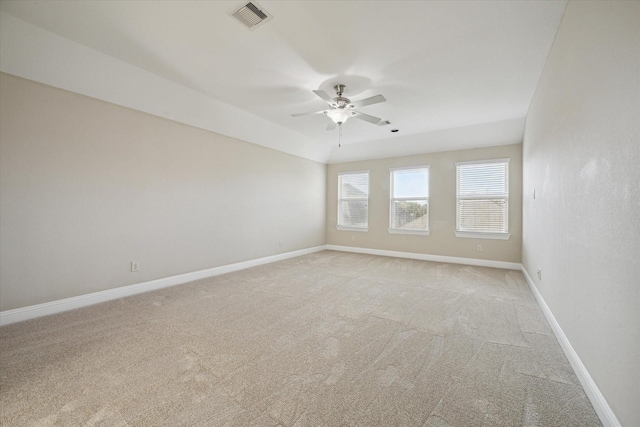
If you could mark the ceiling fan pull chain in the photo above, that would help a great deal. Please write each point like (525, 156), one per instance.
(340, 135)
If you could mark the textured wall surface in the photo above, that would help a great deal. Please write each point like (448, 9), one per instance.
(88, 186)
(581, 156)
(442, 204)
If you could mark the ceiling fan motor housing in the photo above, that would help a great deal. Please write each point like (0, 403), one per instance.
(342, 102)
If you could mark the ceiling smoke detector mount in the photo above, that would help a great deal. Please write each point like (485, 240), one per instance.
(251, 15)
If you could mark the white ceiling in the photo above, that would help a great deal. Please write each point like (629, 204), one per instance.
(455, 74)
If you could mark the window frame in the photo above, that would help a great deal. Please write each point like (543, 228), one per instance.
(505, 197)
(392, 199)
(340, 199)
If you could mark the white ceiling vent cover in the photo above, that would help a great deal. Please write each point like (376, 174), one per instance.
(251, 15)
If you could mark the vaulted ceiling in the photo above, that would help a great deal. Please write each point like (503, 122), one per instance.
(456, 74)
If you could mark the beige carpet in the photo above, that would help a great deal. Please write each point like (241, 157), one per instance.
(328, 339)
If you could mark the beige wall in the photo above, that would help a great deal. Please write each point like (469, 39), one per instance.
(442, 203)
(87, 186)
(582, 156)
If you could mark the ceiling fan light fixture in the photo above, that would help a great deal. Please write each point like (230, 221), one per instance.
(342, 108)
(339, 115)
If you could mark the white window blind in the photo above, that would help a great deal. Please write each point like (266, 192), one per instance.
(483, 198)
(353, 200)
(409, 205)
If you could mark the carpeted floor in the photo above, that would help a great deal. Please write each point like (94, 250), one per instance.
(328, 339)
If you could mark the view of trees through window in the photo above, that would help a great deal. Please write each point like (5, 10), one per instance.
(482, 193)
(410, 215)
(410, 199)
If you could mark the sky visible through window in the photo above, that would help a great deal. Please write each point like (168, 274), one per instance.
(411, 183)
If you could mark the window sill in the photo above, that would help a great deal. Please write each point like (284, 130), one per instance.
(343, 228)
(416, 232)
(493, 236)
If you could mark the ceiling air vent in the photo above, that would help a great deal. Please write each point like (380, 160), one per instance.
(251, 15)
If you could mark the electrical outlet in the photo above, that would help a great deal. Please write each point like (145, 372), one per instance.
(135, 266)
(479, 248)
(539, 274)
(280, 243)
(353, 238)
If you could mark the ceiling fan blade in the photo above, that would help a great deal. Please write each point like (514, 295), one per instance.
(325, 96)
(366, 118)
(368, 101)
(309, 113)
(331, 125)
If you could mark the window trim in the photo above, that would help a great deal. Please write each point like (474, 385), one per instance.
(393, 230)
(346, 227)
(483, 234)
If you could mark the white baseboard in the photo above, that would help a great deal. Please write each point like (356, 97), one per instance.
(427, 257)
(31, 312)
(598, 401)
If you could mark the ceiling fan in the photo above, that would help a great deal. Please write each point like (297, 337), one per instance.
(343, 109)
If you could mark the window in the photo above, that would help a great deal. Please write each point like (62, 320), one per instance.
(409, 205)
(483, 199)
(353, 201)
